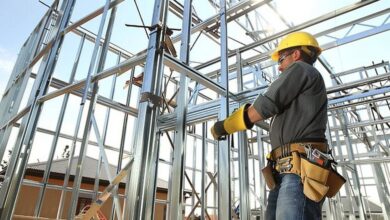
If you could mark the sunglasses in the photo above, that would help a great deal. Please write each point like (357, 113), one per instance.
(284, 56)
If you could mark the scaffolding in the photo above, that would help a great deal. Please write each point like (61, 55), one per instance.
(121, 94)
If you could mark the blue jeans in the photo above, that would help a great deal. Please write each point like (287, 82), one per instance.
(287, 201)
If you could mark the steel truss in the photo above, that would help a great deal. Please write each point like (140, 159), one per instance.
(174, 113)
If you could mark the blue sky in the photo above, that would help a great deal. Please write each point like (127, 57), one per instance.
(19, 17)
(17, 20)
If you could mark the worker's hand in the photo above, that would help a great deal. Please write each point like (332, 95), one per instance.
(238, 121)
(218, 131)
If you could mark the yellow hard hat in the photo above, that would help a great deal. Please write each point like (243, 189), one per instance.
(294, 40)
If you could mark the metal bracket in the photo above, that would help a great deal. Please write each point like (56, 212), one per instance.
(154, 100)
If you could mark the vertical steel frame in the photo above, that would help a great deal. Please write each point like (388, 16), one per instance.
(19, 159)
(245, 209)
(46, 176)
(224, 189)
(349, 130)
(143, 176)
(20, 75)
(179, 155)
(91, 109)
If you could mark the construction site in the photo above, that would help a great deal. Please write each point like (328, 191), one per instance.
(108, 109)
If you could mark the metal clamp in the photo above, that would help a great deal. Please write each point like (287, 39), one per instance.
(152, 99)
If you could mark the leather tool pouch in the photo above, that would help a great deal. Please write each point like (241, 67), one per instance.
(314, 178)
(296, 163)
(269, 176)
(335, 182)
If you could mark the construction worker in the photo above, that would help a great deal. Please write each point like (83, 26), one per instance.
(297, 103)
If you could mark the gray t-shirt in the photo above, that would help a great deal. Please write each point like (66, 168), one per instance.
(297, 102)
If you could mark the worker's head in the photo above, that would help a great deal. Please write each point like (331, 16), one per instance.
(296, 46)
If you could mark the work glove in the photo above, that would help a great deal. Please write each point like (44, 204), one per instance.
(237, 121)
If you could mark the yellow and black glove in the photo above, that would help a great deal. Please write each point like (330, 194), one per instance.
(238, 121)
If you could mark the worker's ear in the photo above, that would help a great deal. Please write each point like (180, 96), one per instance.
(297, 55)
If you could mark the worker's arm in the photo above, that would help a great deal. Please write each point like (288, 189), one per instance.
(240, 120)
(278, 97)
(253, 115)
(244, 118)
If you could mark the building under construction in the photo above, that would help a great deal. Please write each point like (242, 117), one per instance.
(108, 109)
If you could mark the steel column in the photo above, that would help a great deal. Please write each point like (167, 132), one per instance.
(179, 153)
(142, 180)
(14, 92)
(91, 109)
(356, 186)
(14, 175)
(53, 148)
(224, 189)
(333, 207)
(204, 169)
(262, 163)
(245, 210)
(382, 185)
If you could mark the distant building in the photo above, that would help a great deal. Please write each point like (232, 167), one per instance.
(34, 173)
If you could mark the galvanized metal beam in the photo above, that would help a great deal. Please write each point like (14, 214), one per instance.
(179, 153)
(21, 152)
(143, 176)
(223, 146)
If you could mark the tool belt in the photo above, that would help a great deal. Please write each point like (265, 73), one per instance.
(285, 150)
(311, 162)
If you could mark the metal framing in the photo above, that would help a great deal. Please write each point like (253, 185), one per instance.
(179, 155)
(177, 102)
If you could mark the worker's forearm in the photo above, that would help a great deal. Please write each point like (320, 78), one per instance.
(237, 121)
(253, 115)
